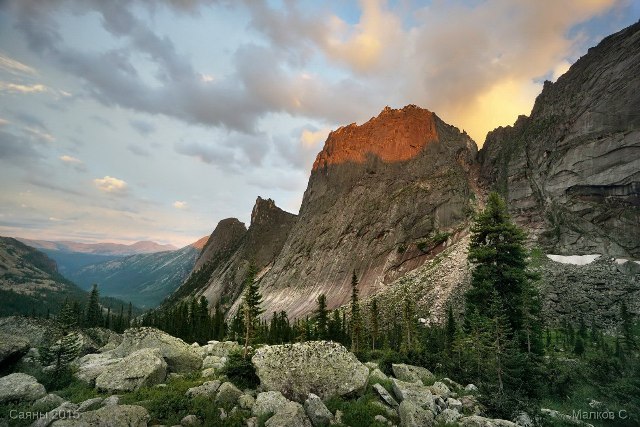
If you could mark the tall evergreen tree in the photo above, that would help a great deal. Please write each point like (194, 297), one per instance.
(375, 323)
(356, 320)
(322, 318)
(94, 312)
(251, 307)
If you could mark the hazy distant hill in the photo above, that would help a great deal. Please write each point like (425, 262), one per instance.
(144, 279)
(144, 247)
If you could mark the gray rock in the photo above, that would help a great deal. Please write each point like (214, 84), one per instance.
(448, 416)
(90, 366)
(47, 403)
(220, 348)
(385, 396)
(371, 365)
(121, 416)
(190, 421)
(414, 392)
(317, 412)
(376, 375)
(208, 373)
(144, 367)
(412, 415)
(180, 356)
(66, 410)
(381, 419)
(290, 415)
(111, 400)
(207, 389)
(246, 401)
(440, 389)
(452, 384)
(228, 394)
(12, 347)
(323, 368)
(251, 422)
(215, 362)
(268, 402)
(478, 421)
(90, 404)
(454, 404)
(412, 374)
(20, 387)
(389, 411)
(471, 388)
(523, 420)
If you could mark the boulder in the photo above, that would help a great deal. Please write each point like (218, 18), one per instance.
(317, 412)
(382, 420)
(471, 388)
(454, 404)
(385, 396)
(207, 389)
(219, 348)
(268, 402)
(12, 348)
(208, 372)
(47, 403)
(90, 366)
(66, 410)
(290, 415)
(448, 416)
(415, 392)
(190, 421)
(478, 421)
(215, 362)
(144, 367)
(111, 400)
(412, 374)
(180, 356)
(20, 387)
(323, 368)
(90, 404)
(412, 415)
(36, 331)
(440, 389)
(377, 376)
(121, 416)
(246, 401)
(228, 394)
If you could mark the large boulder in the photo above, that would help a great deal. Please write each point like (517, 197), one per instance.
(228, 394)
(318, 413)
(414, 392)
(219, 348)
(412, 415)
(90, 366)
(37, 332)
(20, 387)
(290, 415)
(323, 368)
(47, 403)
(112, 416)
(207, 389)
(12, 348)
(412, 374)
(180, 356)
(144, 367)
(385, 395)
(268, 402)
(478, 421)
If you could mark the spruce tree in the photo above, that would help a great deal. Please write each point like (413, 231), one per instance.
(251, 308)
(94, 312)
(356, 321)
(322, 318)
(375, 322)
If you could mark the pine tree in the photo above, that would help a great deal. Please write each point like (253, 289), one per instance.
(375, 322)
(94, 312)
(251, 307)
(450, 328)
(356, 321)
(67, 317)
(129, 315)
(408, 323)
(322, 318)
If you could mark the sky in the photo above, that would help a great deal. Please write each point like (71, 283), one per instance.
(128, 120)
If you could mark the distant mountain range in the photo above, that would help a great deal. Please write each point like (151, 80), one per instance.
(118, 249)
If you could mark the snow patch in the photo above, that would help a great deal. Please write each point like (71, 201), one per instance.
(574, 259)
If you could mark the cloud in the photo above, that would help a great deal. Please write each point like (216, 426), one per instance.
(109, 184)
(180, 205)
(138, 150)
(39, 134)
(77, 164)
(4, 122)
(15, 67)
(16, 149)
(142, 127)
(21, 88)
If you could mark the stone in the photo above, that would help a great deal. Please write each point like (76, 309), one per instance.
(12, 348)
(47, 403)
(523, 419)
(385, 395)
(454, 404)
(415, 392)
(251, 422)
(382, 420)
(111, 400)
(208, 372)
(190, 421)
(478, 421)
(268, 402)
(66, 410)
(452, 384)
(291, 414)
(412, 374)
(207, 389)
(246, 401)
(90, 404)
(371, 365)
(20, 387)
(180, 356)
(448, 416)
(440, 389)
(377, 376)
(119, 415)
(221, 349)
(471, 388)
(215, 362)
(317, 412)
(90, 366)
(412, 415)
(323, 368)
(228, 394)
(144, 367)
(470, 404)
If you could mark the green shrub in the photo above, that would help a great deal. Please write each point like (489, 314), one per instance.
(240, 371)
(358, 413)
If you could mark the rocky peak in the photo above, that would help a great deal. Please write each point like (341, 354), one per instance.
(395, 135)
(262, 211)
(225, 237)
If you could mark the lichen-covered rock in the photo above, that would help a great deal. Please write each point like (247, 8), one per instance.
(90, 404)
(385, 396)
(412, 374)
(290, 415)
(478, 421)
(376, 375)
(111, 400)
(120, 415)
(268, 402)
(323, 368)
(88, 367)
(144, 367)
(228, 394)
(440, 389)
(64, 411)
(34, 330)
(215, 362)
(414, 392)
(47, 403)
(448, 416)
(207, 389)
(180, 356)
(318, 413)
(20, 387)
(246, 401)
(12, 347)
(190, 421)
(412, 415)
(220, 348)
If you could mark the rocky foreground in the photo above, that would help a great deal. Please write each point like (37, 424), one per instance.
(296, 381)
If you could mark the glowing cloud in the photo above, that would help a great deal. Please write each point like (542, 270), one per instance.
(179, 205)
(15, 67)
(19, 88)
(71, 160)
(110, 184)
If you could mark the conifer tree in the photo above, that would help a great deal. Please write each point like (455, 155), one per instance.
(626, 326)
(94, 312)
(356, 321)
(251, 307)
(375, 322)
(129, 315)
(322, 318)
(408, 323)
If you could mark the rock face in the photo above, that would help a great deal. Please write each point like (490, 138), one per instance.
(20, 388)
(180, 357)
(323, 368)
(380, 200)
(12, 348)
(145, 367)
(570, 171)
(90, 366)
